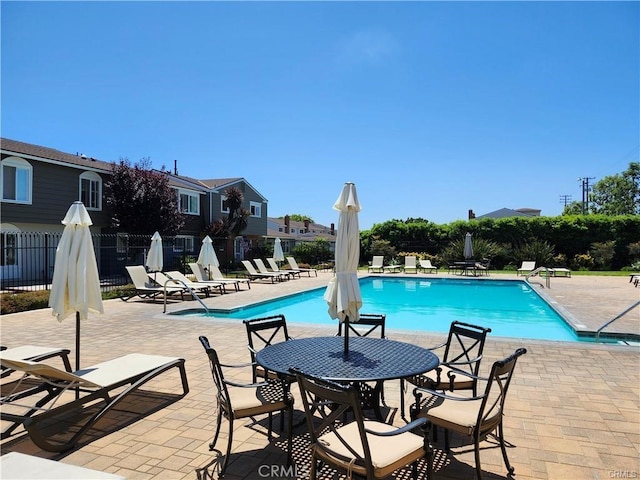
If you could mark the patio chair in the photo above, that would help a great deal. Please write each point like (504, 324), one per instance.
(238, 400)
(526, 267)
(370, 394)
(476, 416)
(146, 288)
(33, 353)
(274, 267)
(188, 286)
(410, 264)
(363, 448)
(294, 266)
(262, 332)
(104, 384)
(462, 355)
(426, 266)
(262, 268)
(204, 287)
(216, 276)
(253, 274)
(377, 264)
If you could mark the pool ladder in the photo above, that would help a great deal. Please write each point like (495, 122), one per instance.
(537, 272)
(193, 294)
(621, 314)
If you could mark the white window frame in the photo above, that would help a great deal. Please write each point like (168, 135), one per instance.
(21, 165)
(95, 181)
(255, 209)
(193, 199)
(223, 209)
(184, 243)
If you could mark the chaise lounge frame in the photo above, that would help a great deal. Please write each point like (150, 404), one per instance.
(109, 381)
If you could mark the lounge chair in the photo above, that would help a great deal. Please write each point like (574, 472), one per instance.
(216, 276)
(204, 287)
(410, 264)
(19, 465)
(34, 353)
(253, 274)
(477, 416)
(274, 266)
(262, 268)
(526, 267)
(426, 266)
(377, 264)
(560, 272)
(294, 267)
(109, 382)
(146, 288)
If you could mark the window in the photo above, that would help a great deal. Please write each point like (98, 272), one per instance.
(189, 202)
(255, 209)
(16, 180)
(224, 206)
(91, 190)
(122, 242)
(183, 243)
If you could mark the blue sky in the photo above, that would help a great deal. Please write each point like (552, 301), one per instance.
(431, 108)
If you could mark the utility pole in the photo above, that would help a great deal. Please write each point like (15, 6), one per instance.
(585, 193)
(565, 199)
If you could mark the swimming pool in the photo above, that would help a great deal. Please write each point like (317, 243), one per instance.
(510, 308)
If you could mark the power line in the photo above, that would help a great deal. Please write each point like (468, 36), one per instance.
(565, 199)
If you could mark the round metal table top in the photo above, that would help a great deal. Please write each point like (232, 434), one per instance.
(368, 359)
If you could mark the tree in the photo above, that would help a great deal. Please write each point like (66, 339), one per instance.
(141, 199)
(237, 219)
(573, 208)
(297, 217)
(618, 194)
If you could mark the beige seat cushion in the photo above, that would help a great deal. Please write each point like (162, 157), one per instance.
(387, 453)
(255, 401)
(459, 416)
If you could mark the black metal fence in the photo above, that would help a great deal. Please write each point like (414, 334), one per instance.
(28, 258)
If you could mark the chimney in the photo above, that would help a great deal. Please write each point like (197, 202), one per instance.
(471, 214)
(333, 229)
(286, 224)
(175, 167)
(306, 226)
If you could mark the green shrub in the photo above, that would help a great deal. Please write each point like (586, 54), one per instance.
(602, 254)
(21, 302)
(537, 250)
(582, 261)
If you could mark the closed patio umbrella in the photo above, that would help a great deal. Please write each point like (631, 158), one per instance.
(278, 254)
(207, 256)
(155, 260)
(76, 285)
(343, 292)
(468, 247)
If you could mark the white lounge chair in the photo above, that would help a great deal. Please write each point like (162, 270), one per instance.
(274, 266)
(526, 267)
(253, 274)
(197, 286)
(146, 288)
(216, 276)
(262, 268)
(426, 266)
(377, 264)
(163, 279)
(107, 383)
(410, 264)
(294, 266)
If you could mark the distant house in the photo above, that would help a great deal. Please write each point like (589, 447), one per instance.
(38, 184)
(508, 212)
(292, 232)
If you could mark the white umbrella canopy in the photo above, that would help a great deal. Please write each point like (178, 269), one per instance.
(207, 256)
(278, 254)
(76, 284)
(343, 292)
(468, 247)
(155, 260)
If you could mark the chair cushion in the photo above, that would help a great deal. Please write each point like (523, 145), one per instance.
(387, 453)
(255, 401)
(459, 416)
(460, 381)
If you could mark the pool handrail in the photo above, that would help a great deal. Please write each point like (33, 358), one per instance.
(621, 314)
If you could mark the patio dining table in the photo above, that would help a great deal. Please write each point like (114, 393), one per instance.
(368, 360)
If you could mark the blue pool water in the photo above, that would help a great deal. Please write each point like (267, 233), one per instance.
(509, 308)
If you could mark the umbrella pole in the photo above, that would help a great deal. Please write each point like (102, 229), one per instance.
(346, 336)
(77, 349)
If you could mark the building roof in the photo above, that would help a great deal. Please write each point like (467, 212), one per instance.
(508, 212)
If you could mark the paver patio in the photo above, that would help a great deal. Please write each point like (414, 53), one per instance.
(572, 412)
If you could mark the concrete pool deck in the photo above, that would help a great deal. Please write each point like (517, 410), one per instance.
(573, 410)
